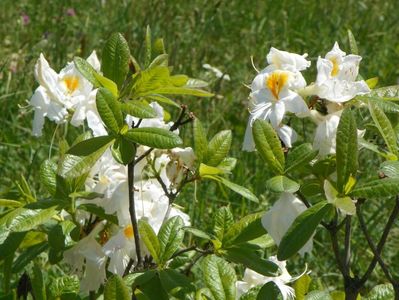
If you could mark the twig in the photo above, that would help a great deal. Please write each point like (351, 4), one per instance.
(378, 250)
(347, 257)
(132, 211)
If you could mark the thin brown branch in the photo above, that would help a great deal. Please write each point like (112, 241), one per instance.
(377, 250)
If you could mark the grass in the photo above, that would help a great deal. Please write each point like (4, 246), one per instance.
(222, 33)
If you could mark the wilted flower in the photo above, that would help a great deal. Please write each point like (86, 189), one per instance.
(279, 218)
(336, 76)
(181, 160)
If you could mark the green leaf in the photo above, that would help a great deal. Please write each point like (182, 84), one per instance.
(99, 211)
(227, 164)
(218, 148)
(299, 156)
(235, 187)
(251, 259)
(124, 151)
(246, 229)
(200, 141)
(148, 46)
(75, 166)
(86, 195)
(388, 92)
(390, 169)
(154, 137)
(60, 235)
(115, 59)
(173, 90)
(170, 237)
(151, 290)
(109, 109)
(28, 219)
(377, 188)
(347, 149)
(10, 203)
(301, 286)
(115, 288)
(268, 291)
(162, 100)
(27, 256)
(86, 70)
(301, 230)
(208, 170)
(61, 286)
(179, 80)
(318, 295)
(159, 46)
(147, 81)
(268, 145)
(11, 244)
(139, 109)
(160, 60)
(198, 233)
(281, 184)
(384, 103)
(219, 277)
(384, 126)
(176, 284)
(107, 84)
(38, 285)
(352, 43)
(223, 220)
(89, 146)
(381, 292)
(150, 239)
(48, 171)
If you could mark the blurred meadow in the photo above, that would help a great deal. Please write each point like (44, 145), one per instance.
(224, 34)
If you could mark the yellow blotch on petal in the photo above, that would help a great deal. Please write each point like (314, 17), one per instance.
(71, 83)
(128, 231)
(276, 82)
(335, 69)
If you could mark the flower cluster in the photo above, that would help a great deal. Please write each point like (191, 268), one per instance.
(68, 96)
(280, 88)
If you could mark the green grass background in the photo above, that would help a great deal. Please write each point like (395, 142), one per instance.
(222, 33)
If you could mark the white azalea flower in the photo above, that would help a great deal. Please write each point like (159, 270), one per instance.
(60, 93)
(252, 279)
(217, 72)
(336, 76)
(279, 218)
(284, 60)
(120, 248)
(273, 94)
(326, 132)
(88, 253)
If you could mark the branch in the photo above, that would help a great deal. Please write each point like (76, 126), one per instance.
(133, 217)
(347, 257)
(378, 250)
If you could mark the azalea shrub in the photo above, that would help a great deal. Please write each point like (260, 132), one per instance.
(110, 225)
